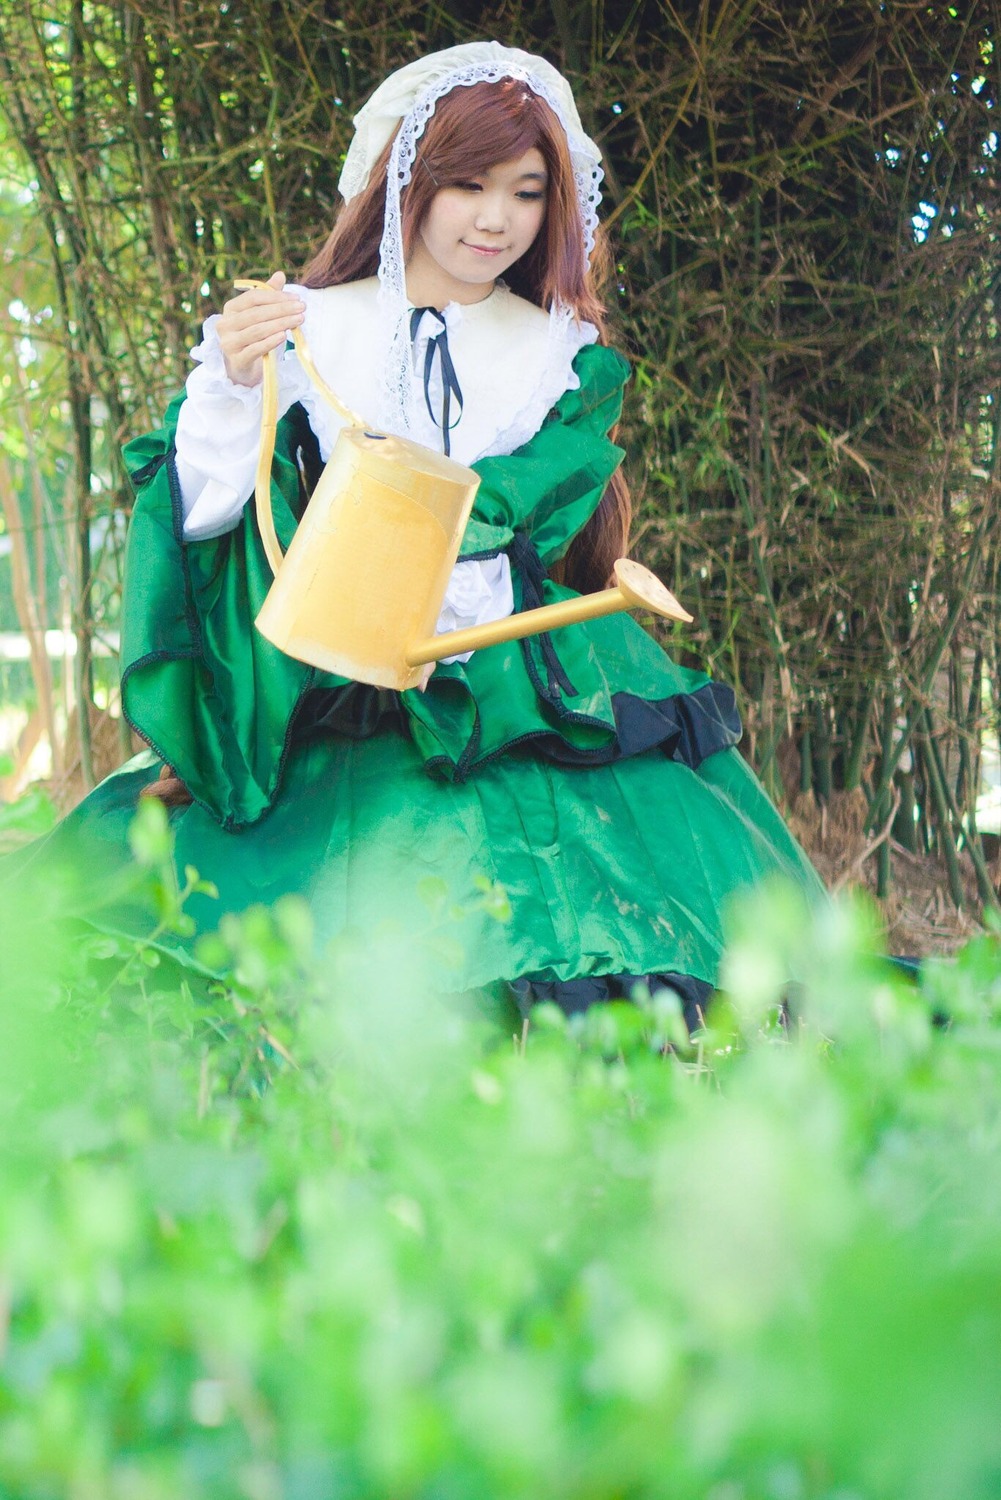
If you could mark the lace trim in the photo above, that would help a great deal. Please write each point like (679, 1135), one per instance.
(399, 411)
(559, 377)
(210, 378)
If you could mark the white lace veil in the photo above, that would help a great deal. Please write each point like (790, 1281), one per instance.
(404, 103)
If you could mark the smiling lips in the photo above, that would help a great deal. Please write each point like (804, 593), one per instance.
(484, 249)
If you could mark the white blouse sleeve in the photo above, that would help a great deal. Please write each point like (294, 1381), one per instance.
(219, 435)
(478, 591)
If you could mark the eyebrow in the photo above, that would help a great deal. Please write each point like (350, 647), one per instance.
(535, 176)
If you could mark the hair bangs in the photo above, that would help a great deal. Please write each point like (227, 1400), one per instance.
(476, 127)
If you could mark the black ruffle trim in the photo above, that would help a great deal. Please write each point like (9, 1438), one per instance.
(688, 727)
(574, 996)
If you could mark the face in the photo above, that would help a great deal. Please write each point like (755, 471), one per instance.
(475, 231)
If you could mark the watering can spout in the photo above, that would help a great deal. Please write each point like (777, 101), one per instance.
(635, 588)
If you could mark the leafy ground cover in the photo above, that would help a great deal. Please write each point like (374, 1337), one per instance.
(321, 1234)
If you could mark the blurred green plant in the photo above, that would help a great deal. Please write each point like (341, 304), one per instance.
(30, 816)
(313, 1232)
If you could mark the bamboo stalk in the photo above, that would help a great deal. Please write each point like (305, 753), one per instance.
(859, 738)
(943, 823)
(80, 402)
(805, 761)
(26, 606)
(958, 605)
(822, 770)
(147, 142)
(884, 869)
(985, 886)
(904, 826)
(968, 715)
(43, 518)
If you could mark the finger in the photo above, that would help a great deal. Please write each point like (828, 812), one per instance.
(244, 366)
(240, 335)
(233, 334)
(264, 292)
(252, 284)
(261, 347)
(248, 305)
(245, 354)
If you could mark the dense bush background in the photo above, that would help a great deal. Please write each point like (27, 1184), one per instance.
(804, 199)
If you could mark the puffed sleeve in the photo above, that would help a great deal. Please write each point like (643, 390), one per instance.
(200, 684)
(218, 436)
(552, 486)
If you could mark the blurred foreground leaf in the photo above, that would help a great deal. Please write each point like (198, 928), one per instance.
(317, 1231)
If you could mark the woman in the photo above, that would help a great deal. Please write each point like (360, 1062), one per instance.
(586, 774)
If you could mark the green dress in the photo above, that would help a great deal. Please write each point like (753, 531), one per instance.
(585, 773)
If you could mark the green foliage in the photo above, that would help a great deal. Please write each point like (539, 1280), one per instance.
(313, 1233)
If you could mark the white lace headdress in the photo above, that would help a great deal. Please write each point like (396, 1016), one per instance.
(403, 104)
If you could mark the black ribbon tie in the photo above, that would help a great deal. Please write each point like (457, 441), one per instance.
(525, 557)
(438, 345)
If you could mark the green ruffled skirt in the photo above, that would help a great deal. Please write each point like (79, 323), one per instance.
(618, 868)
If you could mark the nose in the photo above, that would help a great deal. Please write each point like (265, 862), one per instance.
(491, 213)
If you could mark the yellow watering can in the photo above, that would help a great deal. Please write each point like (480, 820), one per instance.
(363, 582)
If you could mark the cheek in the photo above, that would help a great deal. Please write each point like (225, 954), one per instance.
(443, 223)
(533, 221)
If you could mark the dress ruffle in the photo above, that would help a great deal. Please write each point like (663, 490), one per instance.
(620, 869)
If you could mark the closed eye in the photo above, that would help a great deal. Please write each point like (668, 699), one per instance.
(526, 195)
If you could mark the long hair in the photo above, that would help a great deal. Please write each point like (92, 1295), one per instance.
(473, 129)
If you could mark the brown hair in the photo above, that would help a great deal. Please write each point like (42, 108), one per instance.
(472, 129)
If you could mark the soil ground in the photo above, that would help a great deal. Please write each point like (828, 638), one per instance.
(919, 913)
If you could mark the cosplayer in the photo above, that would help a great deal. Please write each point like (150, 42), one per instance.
(582, 771)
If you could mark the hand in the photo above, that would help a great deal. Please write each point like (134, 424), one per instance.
(253, 324)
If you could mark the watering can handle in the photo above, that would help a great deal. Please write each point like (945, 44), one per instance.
(269, 426)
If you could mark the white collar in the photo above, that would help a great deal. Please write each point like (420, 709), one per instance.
(511, 369)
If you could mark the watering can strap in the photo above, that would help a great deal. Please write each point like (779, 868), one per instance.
(329, 395)
(262, 479)
(246, 284)
(525, 557)
(269, 426)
